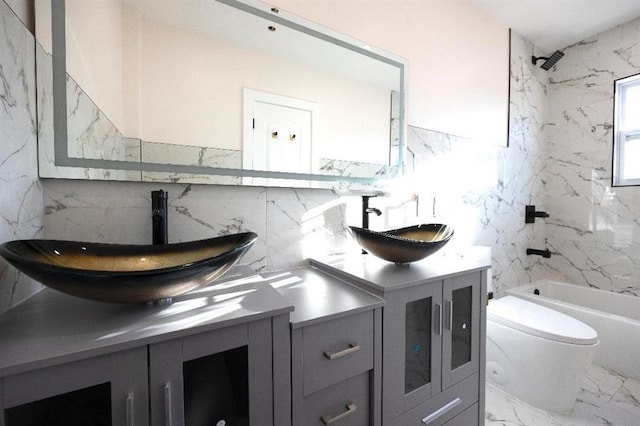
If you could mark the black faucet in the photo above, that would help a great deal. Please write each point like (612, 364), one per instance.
(366, 211)
(159, 216)
(530, 214)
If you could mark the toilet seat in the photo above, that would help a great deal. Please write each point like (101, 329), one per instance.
(540, 321)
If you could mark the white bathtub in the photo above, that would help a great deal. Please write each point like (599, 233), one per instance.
(616, 318)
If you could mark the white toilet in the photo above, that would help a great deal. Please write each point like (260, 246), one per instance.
(536, 354)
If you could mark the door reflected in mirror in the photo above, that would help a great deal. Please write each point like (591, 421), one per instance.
(158, 89)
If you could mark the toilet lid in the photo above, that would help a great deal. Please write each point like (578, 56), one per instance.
(540, 321)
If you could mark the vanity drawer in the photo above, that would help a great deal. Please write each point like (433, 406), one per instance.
(336, 350)
(466, 418)
(445, 406)
(343, 404)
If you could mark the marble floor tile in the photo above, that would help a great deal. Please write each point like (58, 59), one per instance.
(606, 398)
(628, 397)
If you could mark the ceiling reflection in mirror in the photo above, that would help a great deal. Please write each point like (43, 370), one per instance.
(212, 91)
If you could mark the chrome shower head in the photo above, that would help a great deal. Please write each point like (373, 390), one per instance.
(549, 62)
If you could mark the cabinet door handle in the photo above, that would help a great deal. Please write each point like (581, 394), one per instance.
(329, 420)
(353, 347)
(439, 319)
(168, 421)
(440, 411)
(130, 407)
(449, 308)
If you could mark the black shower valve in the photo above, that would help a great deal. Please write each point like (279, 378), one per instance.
(530, 214)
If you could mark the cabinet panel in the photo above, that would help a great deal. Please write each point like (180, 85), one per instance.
(444, 406)
(412, 329)
(216, 388)
(336, 350)
(90, 405)
(417, 371)
(223, 375)
(467, 418)
(99, 390)
(461, 340)
(343, 404)
(165, 383)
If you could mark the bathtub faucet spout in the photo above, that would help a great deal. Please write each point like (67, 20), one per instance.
(544, 253)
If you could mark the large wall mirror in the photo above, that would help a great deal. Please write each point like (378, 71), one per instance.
(212, 91)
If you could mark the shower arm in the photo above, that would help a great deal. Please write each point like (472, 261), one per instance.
(549, 61)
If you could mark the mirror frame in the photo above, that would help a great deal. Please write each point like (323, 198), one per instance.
(262, 10)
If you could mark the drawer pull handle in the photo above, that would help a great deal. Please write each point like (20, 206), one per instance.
(353, 347)
(329, 420)
(440, 411)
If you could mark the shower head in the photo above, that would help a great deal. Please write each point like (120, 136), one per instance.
(550, 61)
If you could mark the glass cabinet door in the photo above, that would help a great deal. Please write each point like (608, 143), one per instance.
(460, 339)
(216, 389)
(88, 406)
(412, 330)
(417, 351)
(102, 391)
(220, 378)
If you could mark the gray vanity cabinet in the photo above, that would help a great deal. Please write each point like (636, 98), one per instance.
(335, 349)
(219, 355)
(433, 338)
(217, 377)
(433, 334)
(103, 390)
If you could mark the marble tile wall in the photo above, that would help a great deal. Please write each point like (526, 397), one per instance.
(479, 189)
(291, 224)
(21, 194)
(485, 190)
(594, 229)
(482, 189)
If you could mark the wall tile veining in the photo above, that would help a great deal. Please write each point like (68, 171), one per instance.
(120, 212)
(294, 224)
(21, 212)
(594, 228)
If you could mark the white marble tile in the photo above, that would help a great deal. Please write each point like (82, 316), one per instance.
(503, 409)
(605, 399)
(292, 224)
(303, 223)
(21, 215)
(593, 227)
(628, 397)
(600, 386)
(121, 213)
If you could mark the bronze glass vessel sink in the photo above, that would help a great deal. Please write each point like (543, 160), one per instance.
(127, 273)
(403, 245)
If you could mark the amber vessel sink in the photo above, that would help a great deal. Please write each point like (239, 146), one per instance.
(126, 273)
(403, 245)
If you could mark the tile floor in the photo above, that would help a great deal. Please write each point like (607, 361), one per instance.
(606, 398)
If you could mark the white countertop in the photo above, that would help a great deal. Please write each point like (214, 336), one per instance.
(383, 276)
(52, 328)
(318, 296)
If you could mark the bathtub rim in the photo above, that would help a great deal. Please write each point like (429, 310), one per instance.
(521, 291)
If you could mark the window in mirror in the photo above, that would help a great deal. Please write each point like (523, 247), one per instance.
(626, 126)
